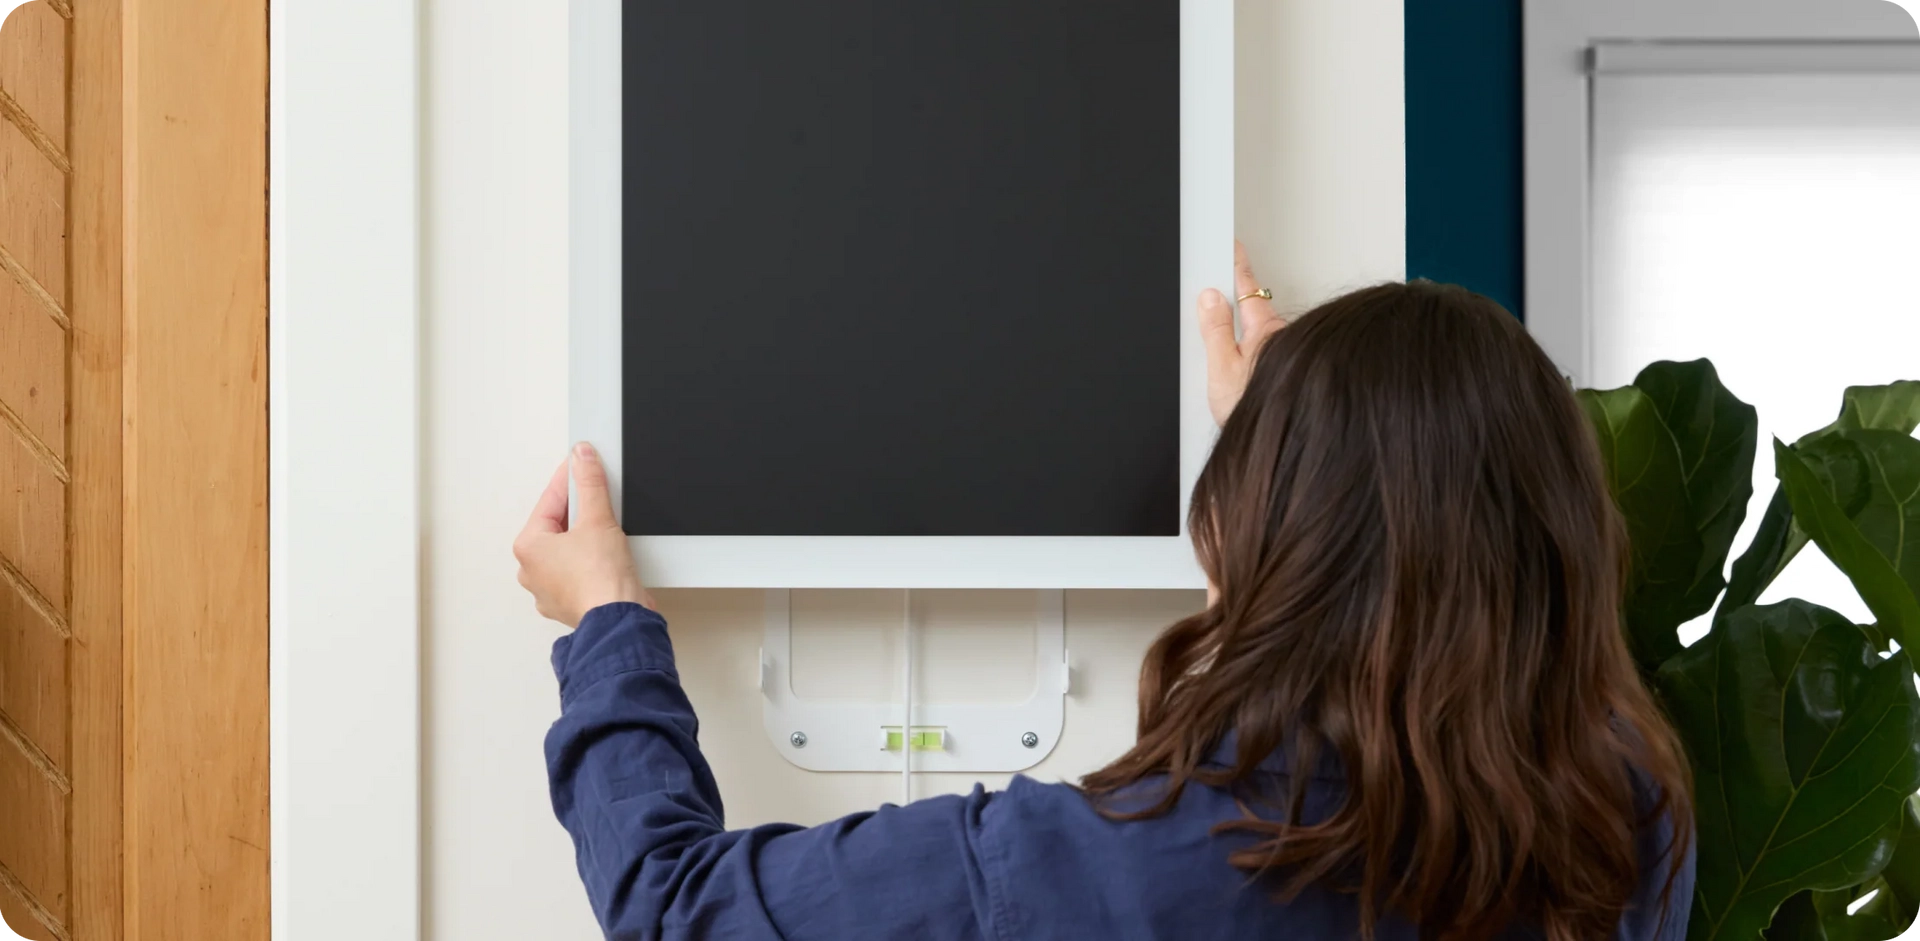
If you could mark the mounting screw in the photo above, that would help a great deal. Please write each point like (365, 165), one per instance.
(1030, 740)
(799, 739)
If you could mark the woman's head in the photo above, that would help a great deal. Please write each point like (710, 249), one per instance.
(1418, 568)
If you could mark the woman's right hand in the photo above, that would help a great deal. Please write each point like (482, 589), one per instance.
(1230, 359)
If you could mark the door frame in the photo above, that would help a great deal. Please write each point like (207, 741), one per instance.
(345, 466)
(167, 500)
(1559, 37)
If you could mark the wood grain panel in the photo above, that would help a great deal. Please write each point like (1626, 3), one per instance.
(139, 813)
(97, 679)
(33, 522)
(33, 67)
(35, 707)
(19, 918)
(195, 472)
(33, 211)
(33, 679)
(33, 844)
(33, 368)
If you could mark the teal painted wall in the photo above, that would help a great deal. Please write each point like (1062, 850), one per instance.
(1464, 189)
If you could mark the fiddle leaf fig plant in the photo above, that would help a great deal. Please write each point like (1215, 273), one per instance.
(1893, 407)
(1802, 727)
(1679, 452)
(1801, 739)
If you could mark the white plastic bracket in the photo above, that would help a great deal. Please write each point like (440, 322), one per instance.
(980, 738)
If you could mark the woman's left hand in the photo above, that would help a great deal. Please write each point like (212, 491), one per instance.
(1230, 358)
(572, 569)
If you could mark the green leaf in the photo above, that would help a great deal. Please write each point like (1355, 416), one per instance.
(1803, 746)
(1678, 450)
(1841, 465)
(1872, 570)
(1880, 918)
(1643, 470)
(1774, 544)
(1894, 407)
(1903, 870)
(1884, 499)
(1716, 434)
(1797, 920)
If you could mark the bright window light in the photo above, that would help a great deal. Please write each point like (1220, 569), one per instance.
(1771, 223)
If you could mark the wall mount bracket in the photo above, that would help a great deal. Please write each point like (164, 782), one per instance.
(978, 738)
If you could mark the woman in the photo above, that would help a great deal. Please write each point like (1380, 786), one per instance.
(1407, 710)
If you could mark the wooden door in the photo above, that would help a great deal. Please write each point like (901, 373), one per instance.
(133, 633)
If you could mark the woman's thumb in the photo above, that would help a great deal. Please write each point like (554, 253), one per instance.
(594, 505)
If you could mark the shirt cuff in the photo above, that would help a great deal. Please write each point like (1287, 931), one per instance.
(622, 637)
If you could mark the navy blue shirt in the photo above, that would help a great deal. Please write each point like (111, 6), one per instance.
(1033, 861)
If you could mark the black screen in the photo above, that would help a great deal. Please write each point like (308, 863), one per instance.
(902, 268)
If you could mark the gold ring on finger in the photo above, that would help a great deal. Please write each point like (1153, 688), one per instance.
(1265, 294)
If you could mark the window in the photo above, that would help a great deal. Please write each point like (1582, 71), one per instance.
(1770, 222)
(1735, 181)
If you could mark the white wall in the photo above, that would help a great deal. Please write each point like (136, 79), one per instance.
(1321, 202)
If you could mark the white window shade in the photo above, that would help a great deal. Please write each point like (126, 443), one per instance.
(1770, 222)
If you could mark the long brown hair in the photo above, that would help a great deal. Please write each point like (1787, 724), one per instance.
(1419, 575)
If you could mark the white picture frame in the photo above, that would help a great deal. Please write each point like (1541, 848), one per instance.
(1206, 257)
